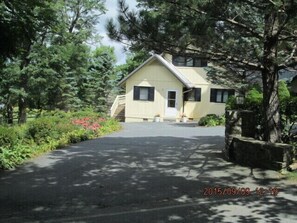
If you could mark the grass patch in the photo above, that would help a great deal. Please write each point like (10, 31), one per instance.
(111, 125)
(291, 176)
(52, 130)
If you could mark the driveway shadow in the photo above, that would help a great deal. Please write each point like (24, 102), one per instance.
(144, 179)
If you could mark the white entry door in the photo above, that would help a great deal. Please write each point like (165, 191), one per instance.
(171, 104)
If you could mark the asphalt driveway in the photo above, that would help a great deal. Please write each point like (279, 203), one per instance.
(148, 172)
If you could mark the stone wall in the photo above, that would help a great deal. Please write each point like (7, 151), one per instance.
(242, 148)
(256, 153)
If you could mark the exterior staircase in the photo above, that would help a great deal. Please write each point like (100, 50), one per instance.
(117, 109)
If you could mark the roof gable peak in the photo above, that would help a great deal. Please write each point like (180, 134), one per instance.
(167, 64)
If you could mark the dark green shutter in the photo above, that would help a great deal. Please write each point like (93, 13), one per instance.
(197, 94)
(213, 95)
(136, 93)
(151, 92)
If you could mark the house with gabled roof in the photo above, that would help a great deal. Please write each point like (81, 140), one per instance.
(170, 88)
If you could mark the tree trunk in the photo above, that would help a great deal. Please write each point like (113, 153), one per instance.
(272, 132)
(22, 115)
(9, 113)
(22, 101)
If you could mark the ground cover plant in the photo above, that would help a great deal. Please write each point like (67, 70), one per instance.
(212, 120)
(52, 130)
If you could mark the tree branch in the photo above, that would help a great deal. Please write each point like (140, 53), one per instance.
(74, 20)
(245, 27)
(231, 21)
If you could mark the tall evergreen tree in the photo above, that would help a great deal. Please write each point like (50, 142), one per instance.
(23, 23)
(240, 36)
(20, 21)
(50, 49)
(101, 77)
(9, 90)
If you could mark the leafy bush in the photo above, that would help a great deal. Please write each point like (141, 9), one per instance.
(254, 100)
(87, 113)
(231, 103)
(78, 136)
(289, 121)
(109, 126)
(8, 136)
(51, 131)
(56, 113)
(42, 129)
(9, 158)
(283, 91)
(212, 120)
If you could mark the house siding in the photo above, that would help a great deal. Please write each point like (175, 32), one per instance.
(195, 110)
(154, 75)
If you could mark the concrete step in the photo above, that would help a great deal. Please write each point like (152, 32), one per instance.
(120, 113)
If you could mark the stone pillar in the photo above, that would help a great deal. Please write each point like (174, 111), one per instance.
(233, 129)
(238, 123)
(248, 124)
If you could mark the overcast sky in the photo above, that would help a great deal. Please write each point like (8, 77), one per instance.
(112, 12)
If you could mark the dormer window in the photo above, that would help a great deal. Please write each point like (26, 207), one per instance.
(189, 61)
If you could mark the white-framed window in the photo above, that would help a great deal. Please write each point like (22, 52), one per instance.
(171, 99)
(220, 95)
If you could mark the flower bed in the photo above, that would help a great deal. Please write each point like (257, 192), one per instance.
(51, 131)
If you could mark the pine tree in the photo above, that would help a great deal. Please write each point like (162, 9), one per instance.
(242, 37)
(102, 77)
(50, 49)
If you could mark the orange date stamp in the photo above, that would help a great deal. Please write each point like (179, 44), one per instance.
(240, 191)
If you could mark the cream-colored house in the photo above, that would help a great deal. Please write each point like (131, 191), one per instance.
(170, 87)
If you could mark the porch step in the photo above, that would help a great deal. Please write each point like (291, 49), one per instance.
(120, 113)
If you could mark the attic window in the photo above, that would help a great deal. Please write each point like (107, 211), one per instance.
(189, 61)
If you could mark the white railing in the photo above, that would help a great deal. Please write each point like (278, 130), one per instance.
(120, 100)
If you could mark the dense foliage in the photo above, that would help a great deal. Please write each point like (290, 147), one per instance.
(52, 130)
(47, 63)
(212, 120)
(246, 39)
(288, 104)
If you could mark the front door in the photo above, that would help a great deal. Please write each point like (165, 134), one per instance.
(171, 104)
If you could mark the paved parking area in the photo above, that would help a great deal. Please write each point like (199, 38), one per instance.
(148, 172)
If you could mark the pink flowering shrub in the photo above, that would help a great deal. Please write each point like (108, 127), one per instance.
(88, 123)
